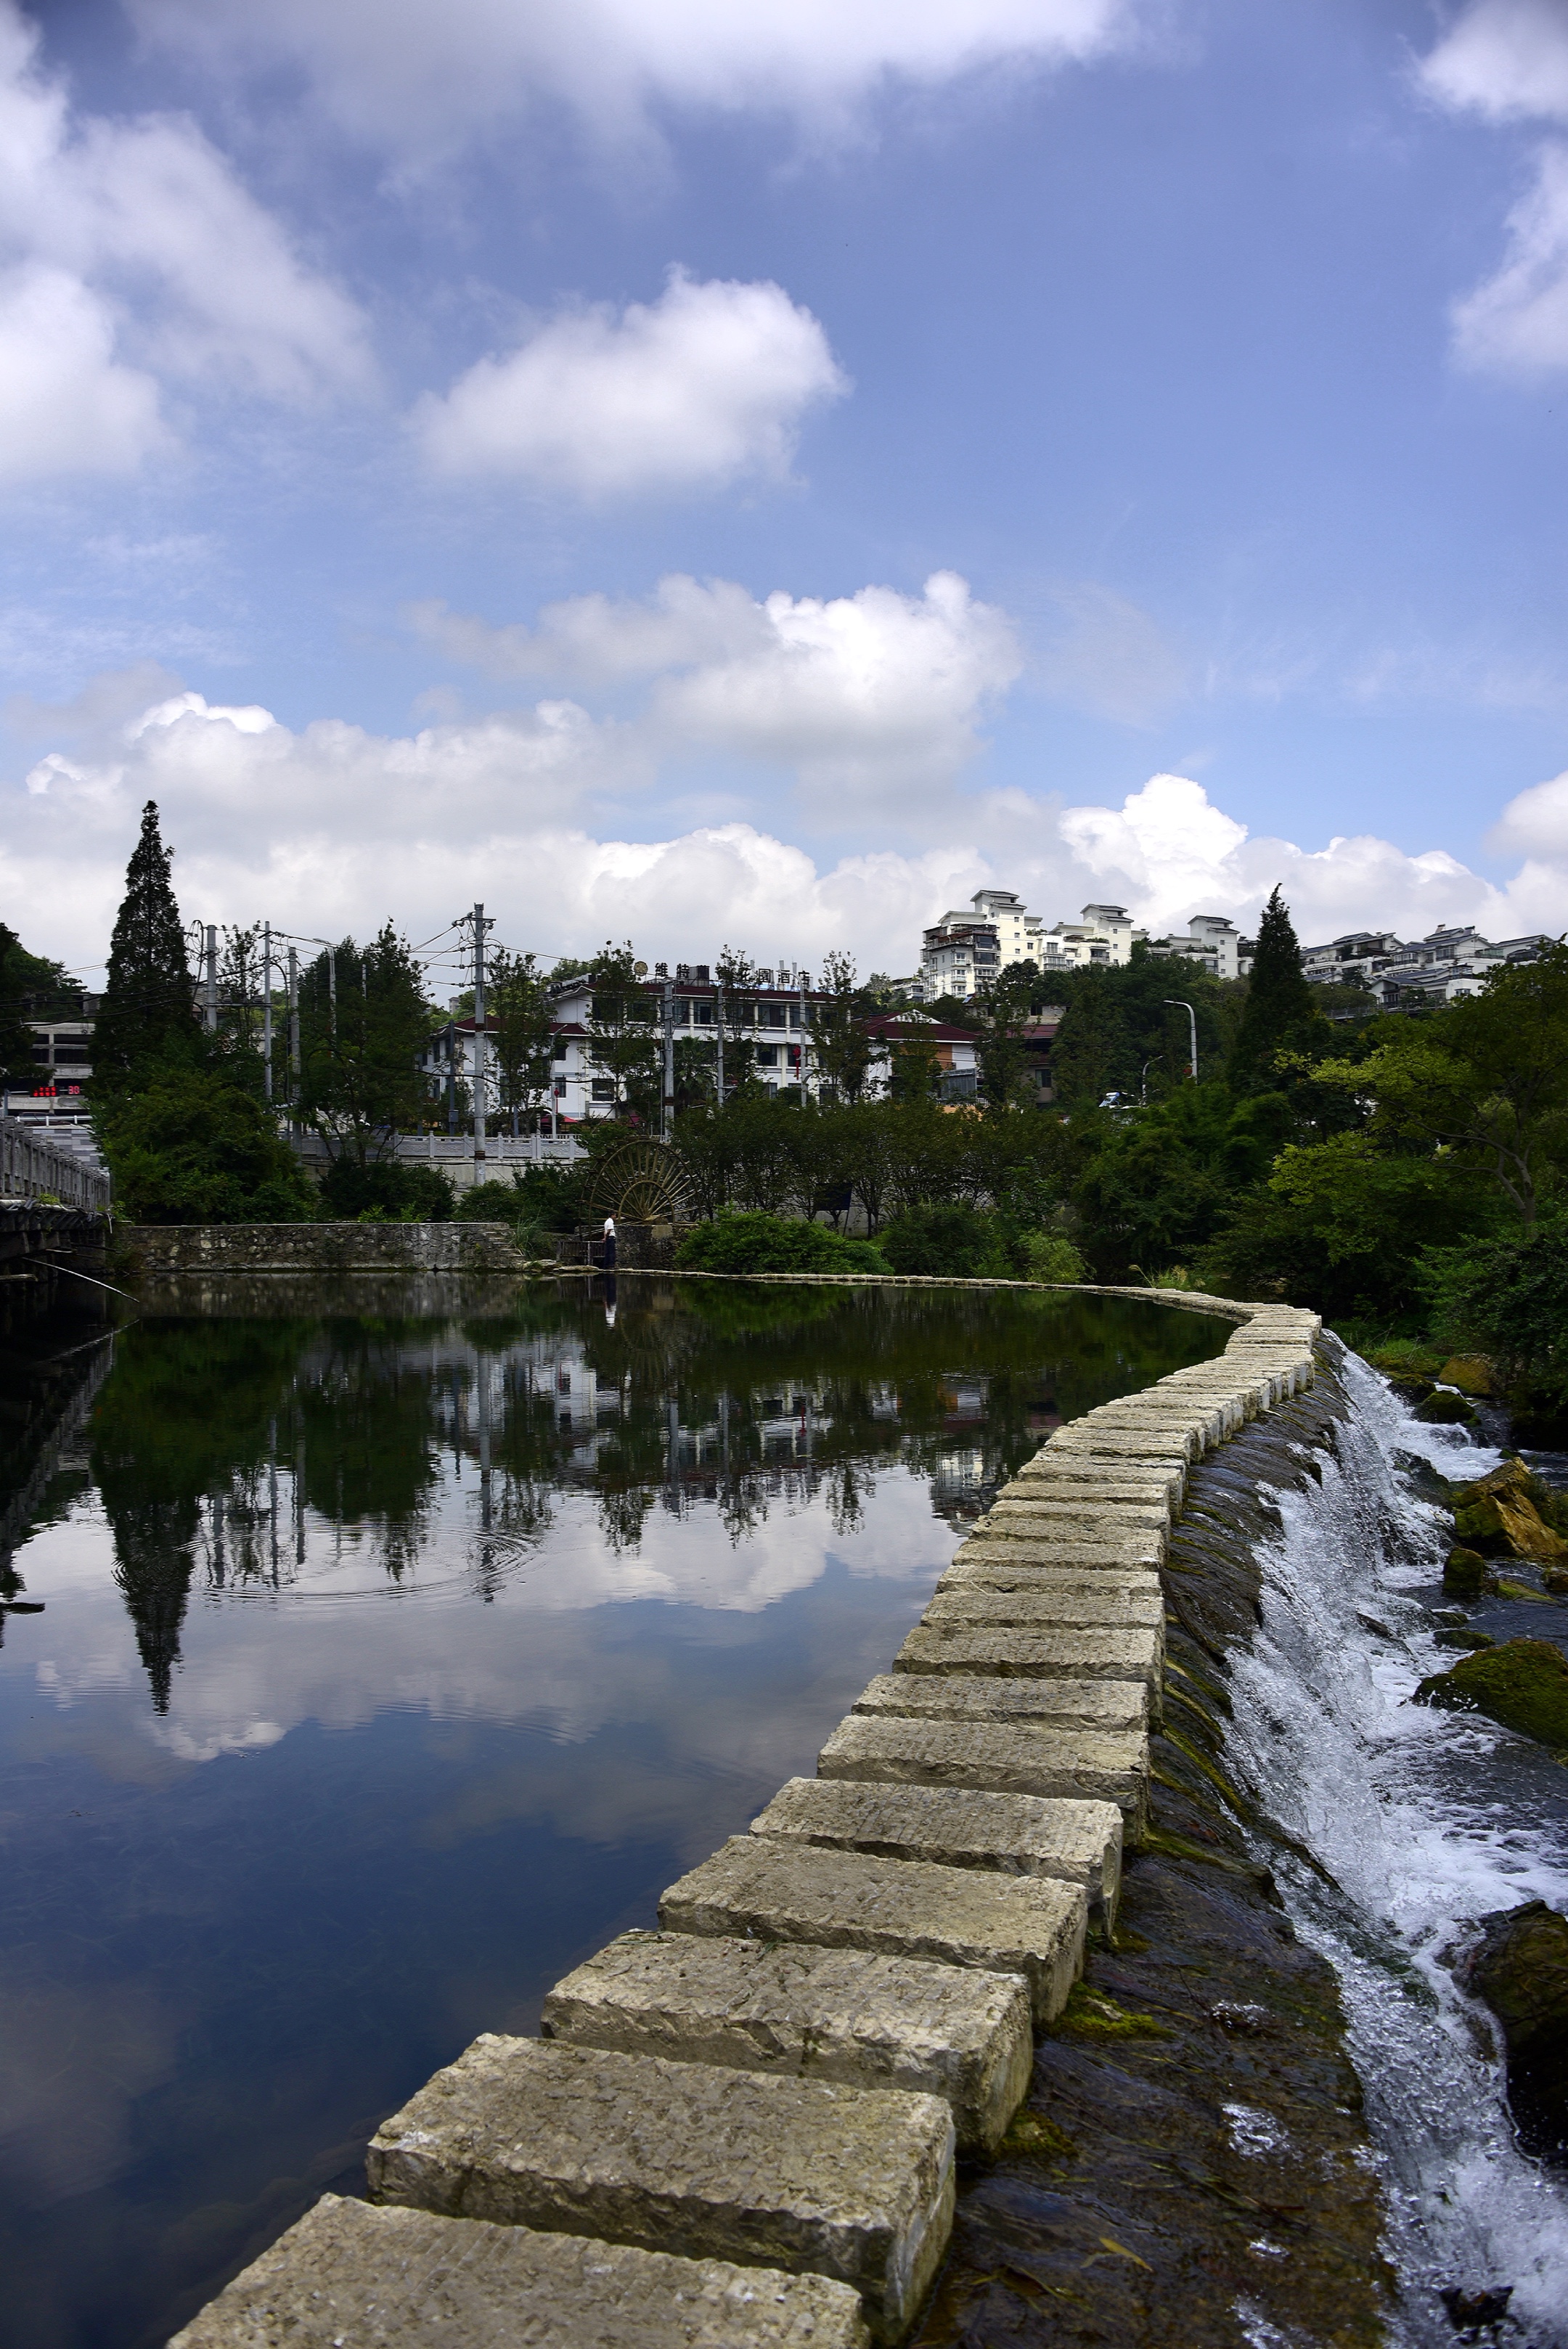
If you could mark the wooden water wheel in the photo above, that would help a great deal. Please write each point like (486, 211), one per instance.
(641, 1185)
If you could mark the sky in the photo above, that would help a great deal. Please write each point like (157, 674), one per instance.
(756, 471)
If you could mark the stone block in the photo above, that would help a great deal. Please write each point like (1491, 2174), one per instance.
(1003, 1757)
(1132, 1655)
(1021, 1540)
(964, 1603)
(392, 2278)
(1104, 1705)
(1062, 1477)
(1000, 1567)
(694, 2158)
(776, 1890)
(957, 1827)
(846, 2015)
(1084, 1439)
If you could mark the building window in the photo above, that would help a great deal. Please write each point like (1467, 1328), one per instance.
(604, 1089)
(767, 1056)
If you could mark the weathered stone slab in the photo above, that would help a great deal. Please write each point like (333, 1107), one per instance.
(846, 2015)
(1022, 1541)
(964, 1604)
(1004, 1757)
(695, 2158)
(1034, 1655)
(1082, 1438)
(781, 1890)
(996, 1568)
(1048, 1517)
(1104, 1705)
(957, 1827)
(393, 2279)
(1062, 1477)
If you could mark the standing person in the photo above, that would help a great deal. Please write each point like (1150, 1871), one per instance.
(609, 1243)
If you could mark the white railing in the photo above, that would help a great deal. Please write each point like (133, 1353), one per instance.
(34, 1168)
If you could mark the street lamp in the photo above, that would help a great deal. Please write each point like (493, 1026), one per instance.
(1176, 1004)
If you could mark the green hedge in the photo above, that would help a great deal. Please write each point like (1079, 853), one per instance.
(761, 1242)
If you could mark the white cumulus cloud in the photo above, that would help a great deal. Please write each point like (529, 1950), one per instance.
(1507, 61)
(131, 254)
(863, 696)
(402, 74)
(693, 392)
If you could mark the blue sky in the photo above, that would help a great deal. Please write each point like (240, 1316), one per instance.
(761, 472)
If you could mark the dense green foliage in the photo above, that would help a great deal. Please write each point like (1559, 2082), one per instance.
(389, 1190)
(363, 1024)
(18, 1066)
(190, 1146)
(740, 1242)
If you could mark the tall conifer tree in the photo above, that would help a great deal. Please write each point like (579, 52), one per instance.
(148, 1009)
(1280, 1012)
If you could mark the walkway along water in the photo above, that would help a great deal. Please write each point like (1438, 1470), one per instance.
(747, 2126)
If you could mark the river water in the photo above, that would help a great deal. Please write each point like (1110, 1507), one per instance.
(391, 1663)
(1424, 1820)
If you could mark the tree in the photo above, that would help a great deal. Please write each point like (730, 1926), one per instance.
(1487, 1077)
(360, 1079)
(1007, 1079)
(1092, 1055)
(522, 1034)
(189, 1146)
(148, 1010)
(1281, 1013)
(844, 1048)
(18, 1065)
(734, 1017)
(623, 1043)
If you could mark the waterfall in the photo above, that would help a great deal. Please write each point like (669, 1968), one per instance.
(1423, 1820)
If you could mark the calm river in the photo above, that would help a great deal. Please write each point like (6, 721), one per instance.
(390, 1662)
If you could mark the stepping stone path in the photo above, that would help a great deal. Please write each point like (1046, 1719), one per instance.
(741, 2129)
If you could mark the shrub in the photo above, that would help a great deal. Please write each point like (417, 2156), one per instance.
(404, 1194)
(193, 1147)
(1051, 1256)
(763, 1243)
(949, 1239)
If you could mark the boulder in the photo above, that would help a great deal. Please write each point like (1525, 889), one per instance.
(1519, 1968)
(1522, 1684)
(1503, 1515)
(1466, 1575)
(1445, 1408)
(1468, 1374)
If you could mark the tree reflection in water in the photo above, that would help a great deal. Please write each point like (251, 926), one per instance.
(237, 1450)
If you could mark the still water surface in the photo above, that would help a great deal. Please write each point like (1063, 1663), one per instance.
(391, 1663)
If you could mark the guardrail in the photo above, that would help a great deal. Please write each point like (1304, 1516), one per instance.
(35, 1169)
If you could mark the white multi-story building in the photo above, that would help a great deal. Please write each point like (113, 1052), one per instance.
(1103, 935)
(1211, 940)
(1443, 967)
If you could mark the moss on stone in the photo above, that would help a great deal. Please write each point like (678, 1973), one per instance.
(1522, 1684)
(1090, 2014)
(1445, 1408)
(1466, 1574)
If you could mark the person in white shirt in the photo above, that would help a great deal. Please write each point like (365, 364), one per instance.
(609, 1243)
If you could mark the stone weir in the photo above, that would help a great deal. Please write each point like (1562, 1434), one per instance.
(746, 2127)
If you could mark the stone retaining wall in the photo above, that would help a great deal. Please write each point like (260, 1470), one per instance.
(753, 2112)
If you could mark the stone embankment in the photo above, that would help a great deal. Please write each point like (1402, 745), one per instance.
(743, 2127)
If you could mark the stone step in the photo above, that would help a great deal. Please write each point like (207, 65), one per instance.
(773, 1889)
(1086, 1517)
(1002, 1566)
(1104, 1705)
(1005, 1758)
(1133, 1655)
(695, 2158)
(349, 2272)
(1062, 1479)
(1081, 1440)
(957, 1827)
(1020, 1541)
(844, 2015)
(962, 1603)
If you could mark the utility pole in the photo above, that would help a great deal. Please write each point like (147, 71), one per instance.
(668, 1120)
(293, 1084)
(804, 1017)
(1176, 1004)
(719, 1035)
(452, 1067)
(479, 926)
(210, 958)
(267, 1010)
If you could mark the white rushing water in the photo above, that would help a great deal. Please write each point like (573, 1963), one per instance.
(1425, 1820)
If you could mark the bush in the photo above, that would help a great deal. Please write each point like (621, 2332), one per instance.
(763, 1243)
(951, 1239)
(1509, 1297)
(193, 1147)
(404, 1194)
(1051, 1256)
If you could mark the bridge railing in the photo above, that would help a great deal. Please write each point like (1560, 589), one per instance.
(33, 1168)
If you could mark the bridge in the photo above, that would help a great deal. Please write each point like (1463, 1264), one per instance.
(54, 1201)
